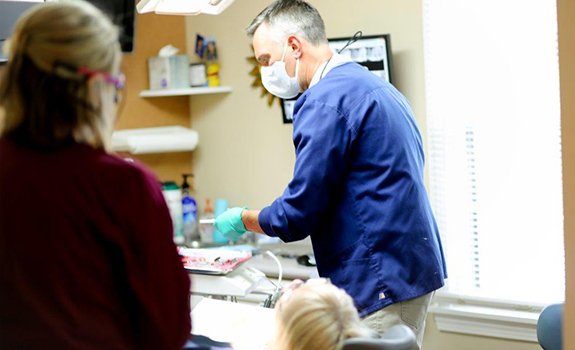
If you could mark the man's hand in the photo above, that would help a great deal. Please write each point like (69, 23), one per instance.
(230, 223)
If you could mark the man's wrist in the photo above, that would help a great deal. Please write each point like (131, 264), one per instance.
(250, 218)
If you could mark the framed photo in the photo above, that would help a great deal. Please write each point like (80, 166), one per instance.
(287, 109)
(370, 51)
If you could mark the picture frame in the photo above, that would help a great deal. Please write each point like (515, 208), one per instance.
(287, 109)
(371, 51)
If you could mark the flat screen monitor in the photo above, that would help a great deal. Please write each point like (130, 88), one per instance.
(122, 13)
(371, 51)
(10, 11)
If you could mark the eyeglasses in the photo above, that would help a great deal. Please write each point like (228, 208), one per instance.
(119, 81)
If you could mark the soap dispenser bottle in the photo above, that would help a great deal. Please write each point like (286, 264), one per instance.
(189, 214)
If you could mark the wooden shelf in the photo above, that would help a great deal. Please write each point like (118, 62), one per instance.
(186, 92)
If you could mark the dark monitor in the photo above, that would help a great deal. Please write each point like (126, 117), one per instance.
(10, 11)
(371, 51)
(122, 13)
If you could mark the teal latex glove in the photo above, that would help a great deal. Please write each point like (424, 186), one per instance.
(230, 224)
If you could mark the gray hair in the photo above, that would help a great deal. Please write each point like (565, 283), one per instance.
(288, 17)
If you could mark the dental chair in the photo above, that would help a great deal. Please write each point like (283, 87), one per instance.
(398, 337)
(550, 327)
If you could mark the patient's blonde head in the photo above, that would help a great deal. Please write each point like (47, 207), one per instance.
(316, 315)
(56, 85)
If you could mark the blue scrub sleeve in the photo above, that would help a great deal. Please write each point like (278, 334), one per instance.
(322, 140)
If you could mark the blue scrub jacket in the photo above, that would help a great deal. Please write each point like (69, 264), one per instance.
(358, 191)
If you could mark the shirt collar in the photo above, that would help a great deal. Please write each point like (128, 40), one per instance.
(335, 60)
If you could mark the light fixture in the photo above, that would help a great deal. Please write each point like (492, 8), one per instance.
(183, 7)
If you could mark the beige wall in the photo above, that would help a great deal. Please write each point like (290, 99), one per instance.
(245, 151)
(566, 18)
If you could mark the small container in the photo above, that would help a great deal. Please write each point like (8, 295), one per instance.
(207, 230)
(198, 75)
(213, 72)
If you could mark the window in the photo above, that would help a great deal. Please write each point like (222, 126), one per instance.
(494, 148)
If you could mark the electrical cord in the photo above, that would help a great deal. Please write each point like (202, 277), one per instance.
(271, 300)
(351, 40)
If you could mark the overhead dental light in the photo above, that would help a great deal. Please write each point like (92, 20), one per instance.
(183, 7)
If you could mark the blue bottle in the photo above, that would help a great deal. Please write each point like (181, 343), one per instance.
(190, 214)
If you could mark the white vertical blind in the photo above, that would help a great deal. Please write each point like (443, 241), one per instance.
(492, 89)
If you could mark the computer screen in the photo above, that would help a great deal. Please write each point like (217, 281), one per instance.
(10, 11)
(122, 13)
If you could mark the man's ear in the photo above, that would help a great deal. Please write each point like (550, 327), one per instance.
(295, 44)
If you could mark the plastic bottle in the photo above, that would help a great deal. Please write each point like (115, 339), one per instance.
(173, 197)
(207, 230)
(212, 65)
(189, 214)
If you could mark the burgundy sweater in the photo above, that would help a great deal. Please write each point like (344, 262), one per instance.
(87, 259)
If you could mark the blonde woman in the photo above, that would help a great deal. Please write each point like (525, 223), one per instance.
(87, 259)
(316, 315)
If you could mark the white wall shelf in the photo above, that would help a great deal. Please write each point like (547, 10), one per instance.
(186, 92)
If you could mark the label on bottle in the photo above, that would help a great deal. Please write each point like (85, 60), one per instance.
(189, 214)
(189, 209)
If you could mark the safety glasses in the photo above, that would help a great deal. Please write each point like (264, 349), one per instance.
(119, 81)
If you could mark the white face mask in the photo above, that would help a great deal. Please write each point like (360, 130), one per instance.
(277, 81)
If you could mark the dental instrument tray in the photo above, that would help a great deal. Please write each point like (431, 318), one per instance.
(218, 261)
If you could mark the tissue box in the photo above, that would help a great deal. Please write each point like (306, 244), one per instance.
(169, 72)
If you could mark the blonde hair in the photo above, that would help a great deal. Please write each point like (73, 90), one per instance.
(46, 100)
(316, 316)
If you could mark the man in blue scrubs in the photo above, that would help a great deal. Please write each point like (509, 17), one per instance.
(358, 188)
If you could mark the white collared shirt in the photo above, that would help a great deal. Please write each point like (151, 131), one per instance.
(335, 60)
